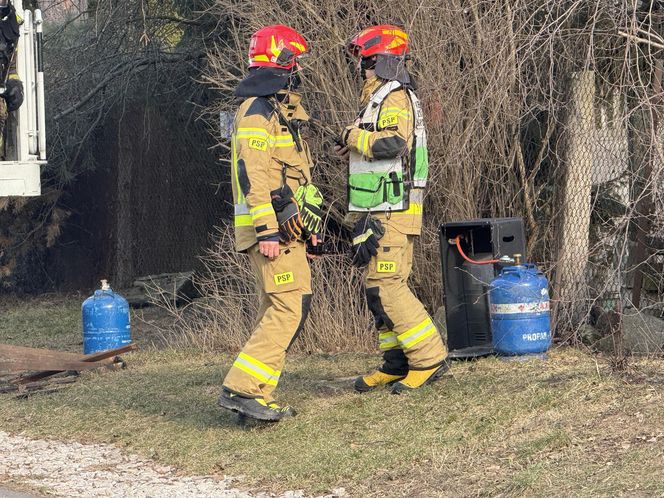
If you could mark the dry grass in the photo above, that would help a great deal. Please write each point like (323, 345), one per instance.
(565, 427)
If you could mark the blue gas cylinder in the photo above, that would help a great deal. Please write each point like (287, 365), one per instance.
(105, 321)
(519, 309)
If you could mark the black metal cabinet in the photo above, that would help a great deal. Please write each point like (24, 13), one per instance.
(466, 285)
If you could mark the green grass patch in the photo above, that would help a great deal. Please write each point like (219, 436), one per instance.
(42, 323)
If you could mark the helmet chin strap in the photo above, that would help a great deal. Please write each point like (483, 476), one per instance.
(294, 80)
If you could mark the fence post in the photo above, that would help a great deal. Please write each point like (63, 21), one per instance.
(575, 210)
(124, 255)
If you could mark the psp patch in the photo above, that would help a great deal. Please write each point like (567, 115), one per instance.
(284, 278)
(386, 267)
(387, 122)
(255, 143)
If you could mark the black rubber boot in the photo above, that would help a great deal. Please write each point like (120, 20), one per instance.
(249, 407)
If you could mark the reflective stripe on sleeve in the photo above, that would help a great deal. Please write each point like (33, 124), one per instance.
(362, 144)
(361, 238)
(388, 112)
(261, 210)
(262, 134)
(418, 333)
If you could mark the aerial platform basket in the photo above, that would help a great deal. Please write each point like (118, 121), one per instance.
(26, 128)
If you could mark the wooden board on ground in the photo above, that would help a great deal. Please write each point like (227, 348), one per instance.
(94, 360)
(21, 359)
(63, 367)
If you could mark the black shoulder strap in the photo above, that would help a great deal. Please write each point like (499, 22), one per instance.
(291, 129)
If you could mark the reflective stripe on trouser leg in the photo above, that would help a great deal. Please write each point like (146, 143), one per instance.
(387, 340)
(267, 345)
(417, 335)
(394, 361)
(257, 369)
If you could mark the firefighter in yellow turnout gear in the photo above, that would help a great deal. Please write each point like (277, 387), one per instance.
(387, 175)
(270, 173)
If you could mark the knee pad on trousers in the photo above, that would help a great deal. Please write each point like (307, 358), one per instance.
(306, 307)
(376, 307)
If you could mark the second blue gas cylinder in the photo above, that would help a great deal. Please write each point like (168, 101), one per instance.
(519, 309)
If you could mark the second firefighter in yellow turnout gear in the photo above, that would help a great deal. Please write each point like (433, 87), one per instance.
(387, 176)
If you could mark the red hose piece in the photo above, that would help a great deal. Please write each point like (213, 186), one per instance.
(463, 254)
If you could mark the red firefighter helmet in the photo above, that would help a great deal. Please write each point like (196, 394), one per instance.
(276, 46)
(385, 39)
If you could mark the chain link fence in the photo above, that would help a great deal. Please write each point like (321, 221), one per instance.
(133, 163)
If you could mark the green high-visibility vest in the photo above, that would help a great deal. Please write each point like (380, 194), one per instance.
(380, 185)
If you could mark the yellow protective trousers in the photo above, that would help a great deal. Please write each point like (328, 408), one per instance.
(407, 335)
(284, 288)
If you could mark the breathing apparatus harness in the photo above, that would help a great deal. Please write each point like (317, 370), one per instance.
(384, 185)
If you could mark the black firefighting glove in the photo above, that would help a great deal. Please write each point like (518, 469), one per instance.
(13, 94)
(310, 201)
(288, 214)
(366, 234)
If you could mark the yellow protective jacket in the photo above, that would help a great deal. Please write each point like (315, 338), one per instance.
(393, 137)
(265, 153)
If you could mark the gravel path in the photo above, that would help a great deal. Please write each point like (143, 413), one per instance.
(8, 493)
(96, 470)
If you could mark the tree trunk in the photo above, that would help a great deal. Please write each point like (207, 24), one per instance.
(642, 158)
(124, 267)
